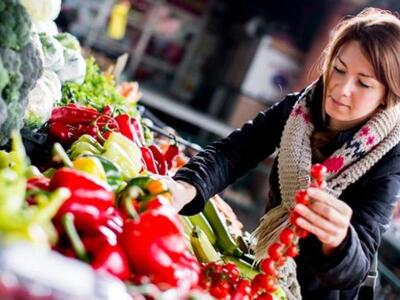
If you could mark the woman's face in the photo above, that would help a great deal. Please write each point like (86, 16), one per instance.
(353, 92)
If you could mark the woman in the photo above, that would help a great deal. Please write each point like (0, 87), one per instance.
(349, 120)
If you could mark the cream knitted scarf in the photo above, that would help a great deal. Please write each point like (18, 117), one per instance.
(345, 166)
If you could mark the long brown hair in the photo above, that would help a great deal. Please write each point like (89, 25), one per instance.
(378, 33)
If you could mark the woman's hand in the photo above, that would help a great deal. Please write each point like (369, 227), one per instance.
(182, 192)
(326, 217)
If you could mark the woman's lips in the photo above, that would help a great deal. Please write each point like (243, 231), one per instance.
(339, 103)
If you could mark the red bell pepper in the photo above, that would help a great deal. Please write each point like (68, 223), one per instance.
(82, 186)
(106, 257)
(100, 250)
(91, 215)
(148, 159)
(91, 201)
(159, 158)
(160, 251)
(74, 114)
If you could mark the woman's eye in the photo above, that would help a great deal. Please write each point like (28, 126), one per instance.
(338, 70)
(364, 85)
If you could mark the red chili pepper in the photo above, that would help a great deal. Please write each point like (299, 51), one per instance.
(126, 128)
(107, 110)
(62, 132)
(170, 154)
(138, 129)
(75, 114)
(160, 159)
(148, 160)
(105, 122)
(160, 250)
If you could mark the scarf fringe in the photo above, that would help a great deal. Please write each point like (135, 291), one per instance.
(276, 219)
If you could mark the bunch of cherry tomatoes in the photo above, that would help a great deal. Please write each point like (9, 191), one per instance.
(278, 252)
(224, 281)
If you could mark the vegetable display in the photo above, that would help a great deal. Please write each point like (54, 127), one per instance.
(101, 200)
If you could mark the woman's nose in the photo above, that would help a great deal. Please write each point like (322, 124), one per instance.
(346, 87)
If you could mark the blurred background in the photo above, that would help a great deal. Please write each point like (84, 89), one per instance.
(206, 67)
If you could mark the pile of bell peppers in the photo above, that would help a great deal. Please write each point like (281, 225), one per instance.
(132, 234)
(68, 123)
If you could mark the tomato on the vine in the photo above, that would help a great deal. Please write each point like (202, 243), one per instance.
(264, 296)
(293, 218)
(302, 197)
(268, 266)
(275, 251)
(287, 236)
(318, 171)
(292, 251)
(301, 233)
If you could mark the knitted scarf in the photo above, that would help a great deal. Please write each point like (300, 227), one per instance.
(345, 166)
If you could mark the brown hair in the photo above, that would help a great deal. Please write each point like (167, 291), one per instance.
(378, 33)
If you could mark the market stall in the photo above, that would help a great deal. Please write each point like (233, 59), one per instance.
(85, 210)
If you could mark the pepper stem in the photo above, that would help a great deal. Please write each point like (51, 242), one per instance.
(60, 154)
(70, 229)
(130, 209)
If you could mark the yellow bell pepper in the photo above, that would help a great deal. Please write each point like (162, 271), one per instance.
(90, 165)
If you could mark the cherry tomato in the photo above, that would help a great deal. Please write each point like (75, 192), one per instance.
(293, 218)
(268, 267)
(218, 292)
(264, 296)
(275, 251)
(318, 171)
(281, 261)
(301, 233)
(302, 197)
(287, 236)
(292, 251)
(263, 282)
(244, 285)
(233, 272)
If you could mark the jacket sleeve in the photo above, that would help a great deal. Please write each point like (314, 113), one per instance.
(227, 159)
(372, 210)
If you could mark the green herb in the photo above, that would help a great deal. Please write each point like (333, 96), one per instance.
(97, 90)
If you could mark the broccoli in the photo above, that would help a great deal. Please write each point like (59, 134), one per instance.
(4, 79)
(16, 91)
(15, 113)
(32, 66)
(15, 25)
(12, 63)
(3, 111)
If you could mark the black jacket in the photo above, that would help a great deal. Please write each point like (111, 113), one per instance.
(371, 198)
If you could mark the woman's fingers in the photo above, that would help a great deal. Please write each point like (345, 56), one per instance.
(322, 196)
(315, 219)
(326, 217)
(329, 213)
(322, 235)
